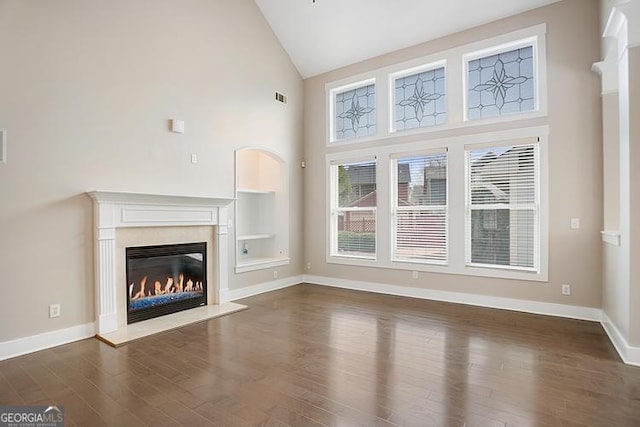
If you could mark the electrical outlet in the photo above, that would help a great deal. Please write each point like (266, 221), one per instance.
(54, 311)
(575, 223)
(414, 274)
(275, 274)
(194, 158)
(308, 266)
(566, 290)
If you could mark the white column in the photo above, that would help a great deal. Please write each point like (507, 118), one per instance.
(107, 316)
(222, 246)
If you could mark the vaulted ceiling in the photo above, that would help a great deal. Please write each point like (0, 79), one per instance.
(323, 35)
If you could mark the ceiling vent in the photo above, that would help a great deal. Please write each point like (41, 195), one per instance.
(281, 98)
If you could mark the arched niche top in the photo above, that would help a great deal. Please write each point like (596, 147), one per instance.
(260, 169)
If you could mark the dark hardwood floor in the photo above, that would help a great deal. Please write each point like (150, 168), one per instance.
(310, 355)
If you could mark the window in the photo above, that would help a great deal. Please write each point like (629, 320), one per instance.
(501, 83)
(419, 99)
(420, 208)
(354, 111)
(494, 80)
(470, 202)
(503, 206)
(353, 211)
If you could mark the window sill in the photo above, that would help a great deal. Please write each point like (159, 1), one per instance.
(462, 270)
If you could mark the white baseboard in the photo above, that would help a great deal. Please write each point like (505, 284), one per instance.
(235, 294)
(546, 308)
(629, 354)
(20, 346)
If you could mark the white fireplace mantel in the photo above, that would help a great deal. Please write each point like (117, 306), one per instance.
(113, 210)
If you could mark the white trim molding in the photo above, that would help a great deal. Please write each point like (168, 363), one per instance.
(608, 72)
(3, 146)
(20, 346)
(630, 355)
(631, 11)
(545, 308)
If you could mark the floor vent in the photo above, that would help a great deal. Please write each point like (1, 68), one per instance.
(281, 98)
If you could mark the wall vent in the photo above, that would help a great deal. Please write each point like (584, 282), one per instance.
(281, 98)
(3, 146)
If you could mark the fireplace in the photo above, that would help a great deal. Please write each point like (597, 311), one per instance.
(165, 279)
(115, 212)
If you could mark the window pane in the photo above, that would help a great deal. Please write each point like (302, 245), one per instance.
(422, 181)
(355, 228)
(357, 185)
(503, 237)
(420, 100)
(357, 233)
(503, 175)
(501, 84)
(421, 235)
(421, 216)
(504, 234)
(355, 112)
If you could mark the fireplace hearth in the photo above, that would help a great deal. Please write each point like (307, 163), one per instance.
(165, 279)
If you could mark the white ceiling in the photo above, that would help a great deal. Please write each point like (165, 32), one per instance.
(330, 34)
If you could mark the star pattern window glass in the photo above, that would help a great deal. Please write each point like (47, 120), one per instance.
(501, 84)
(355, 112)
(420, 100)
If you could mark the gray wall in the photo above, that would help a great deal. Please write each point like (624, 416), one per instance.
(87, 88)
(575, 160)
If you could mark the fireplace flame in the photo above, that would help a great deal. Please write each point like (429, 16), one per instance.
(170, 287)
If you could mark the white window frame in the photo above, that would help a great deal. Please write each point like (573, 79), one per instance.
(334, 209)
(395, 208)
(535, 206)
(456, 194)
(539, 77)
(331, 101)
(392, 94)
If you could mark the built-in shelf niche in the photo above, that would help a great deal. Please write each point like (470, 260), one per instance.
(262, 214)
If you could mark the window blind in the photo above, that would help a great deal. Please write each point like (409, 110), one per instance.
(420, 208)
(502, 206)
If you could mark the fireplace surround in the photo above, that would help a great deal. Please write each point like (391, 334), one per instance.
(114, 211)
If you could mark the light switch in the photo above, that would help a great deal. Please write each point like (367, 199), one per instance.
(575, 223)
(194, 158)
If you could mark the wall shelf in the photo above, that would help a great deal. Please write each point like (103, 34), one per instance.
(252, 191)
(259, 263)
(262, 210)
(257, 236)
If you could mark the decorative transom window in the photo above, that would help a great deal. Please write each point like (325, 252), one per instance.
(420, 208)
(503, 220)
(419, 99)
(501, 83)
(354, 111)
(353, 210)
